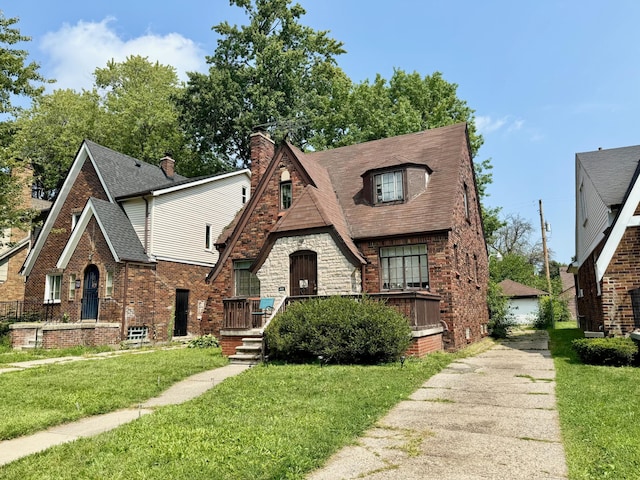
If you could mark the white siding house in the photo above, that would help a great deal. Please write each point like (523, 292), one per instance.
(184, 221)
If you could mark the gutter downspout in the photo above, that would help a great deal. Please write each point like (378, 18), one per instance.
(146, 225)
(124, 300)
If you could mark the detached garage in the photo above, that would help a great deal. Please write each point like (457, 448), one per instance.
(523, 301)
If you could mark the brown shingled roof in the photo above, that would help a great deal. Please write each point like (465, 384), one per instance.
(442, 150)
(515, 289)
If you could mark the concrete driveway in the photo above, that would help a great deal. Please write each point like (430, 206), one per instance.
(492, 416)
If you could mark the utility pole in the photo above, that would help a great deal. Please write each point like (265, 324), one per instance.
(545, 252)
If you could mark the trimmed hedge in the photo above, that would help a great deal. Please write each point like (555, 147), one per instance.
(615, 352)
(340, 330)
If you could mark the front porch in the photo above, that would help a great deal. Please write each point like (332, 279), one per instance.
(244, 322)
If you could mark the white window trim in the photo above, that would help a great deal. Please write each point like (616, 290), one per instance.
(47, 288)
(108, 284)
(72, 287)
(397, 194)
(208, 237)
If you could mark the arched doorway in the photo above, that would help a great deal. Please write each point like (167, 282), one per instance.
(90, 293)
(303, 273)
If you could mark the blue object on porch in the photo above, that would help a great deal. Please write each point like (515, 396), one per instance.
(265, 308)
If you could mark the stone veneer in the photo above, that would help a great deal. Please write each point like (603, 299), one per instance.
(336, 275)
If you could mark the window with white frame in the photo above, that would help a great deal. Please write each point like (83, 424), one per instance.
(52, 288)
(4, 270)
(244, 194)
(388, 187)
(404, 267)
(74, 219)
(72, 286)
(286, 195)
(246, 283)
(108, 285)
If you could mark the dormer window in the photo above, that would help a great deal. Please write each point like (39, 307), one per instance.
(388, 187)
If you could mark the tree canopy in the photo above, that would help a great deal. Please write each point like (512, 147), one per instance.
(273, 72)
(17, 79)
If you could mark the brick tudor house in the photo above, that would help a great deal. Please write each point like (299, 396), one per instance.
(125, 249)
(397, 218)
(607, 265)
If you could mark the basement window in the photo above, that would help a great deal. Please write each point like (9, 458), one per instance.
(137, 333)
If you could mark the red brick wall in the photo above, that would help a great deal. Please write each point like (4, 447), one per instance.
(87, 185)
(590, 315)
(65, 335)
(13, 288)
(229, 344)
(621, 276)
(422, 346)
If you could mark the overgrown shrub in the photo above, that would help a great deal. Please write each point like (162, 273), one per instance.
(205, 341)
(500, 318)
(616, 352)
(340, 330)
(551, 310)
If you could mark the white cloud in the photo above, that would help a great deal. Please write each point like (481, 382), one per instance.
(486, 124)
(75, 51)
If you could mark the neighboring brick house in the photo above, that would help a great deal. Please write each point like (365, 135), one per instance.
(568, 293)
(397, 218)
(15, 243)
(129, 244)
(607, 265)
(523, 301)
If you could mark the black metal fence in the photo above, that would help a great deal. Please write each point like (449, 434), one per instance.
(20, 311)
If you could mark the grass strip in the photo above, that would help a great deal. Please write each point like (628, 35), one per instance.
(276, 421)
(9, 355)
(599, 412)
(39, 397)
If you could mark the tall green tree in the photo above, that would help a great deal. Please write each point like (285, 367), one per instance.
(129, 109)
(271, 72)
(18, 79)
(50, 133)
(140, 118)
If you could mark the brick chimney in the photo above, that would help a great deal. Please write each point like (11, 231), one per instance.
(262, 150)
(167, 164)
(23, 173)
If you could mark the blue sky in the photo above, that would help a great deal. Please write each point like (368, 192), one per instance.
(547, 78)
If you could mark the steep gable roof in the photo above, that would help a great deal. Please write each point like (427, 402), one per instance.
(512, 289)
(123, 242)
(440, 150)
(123, 175)
(611, 171)
(119, 175)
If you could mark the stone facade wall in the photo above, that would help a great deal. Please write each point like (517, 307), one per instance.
(336, 275)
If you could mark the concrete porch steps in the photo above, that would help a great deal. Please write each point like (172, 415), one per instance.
(249, 353)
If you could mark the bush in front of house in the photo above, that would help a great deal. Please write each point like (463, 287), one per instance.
(338, 330)
(205, 341)
(615, 351)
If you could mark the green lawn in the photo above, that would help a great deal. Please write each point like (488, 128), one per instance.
(9, 355)
(39, 397)
(599, 413)
(276, 421)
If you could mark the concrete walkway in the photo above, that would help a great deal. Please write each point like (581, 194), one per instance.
(492, 416)
(180, 392)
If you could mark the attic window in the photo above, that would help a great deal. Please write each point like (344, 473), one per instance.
(388, 187)
(286, 192)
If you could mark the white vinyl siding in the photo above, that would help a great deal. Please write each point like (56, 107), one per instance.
(179, 218)
(4, 269)
(135, 210)
(592, 219)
